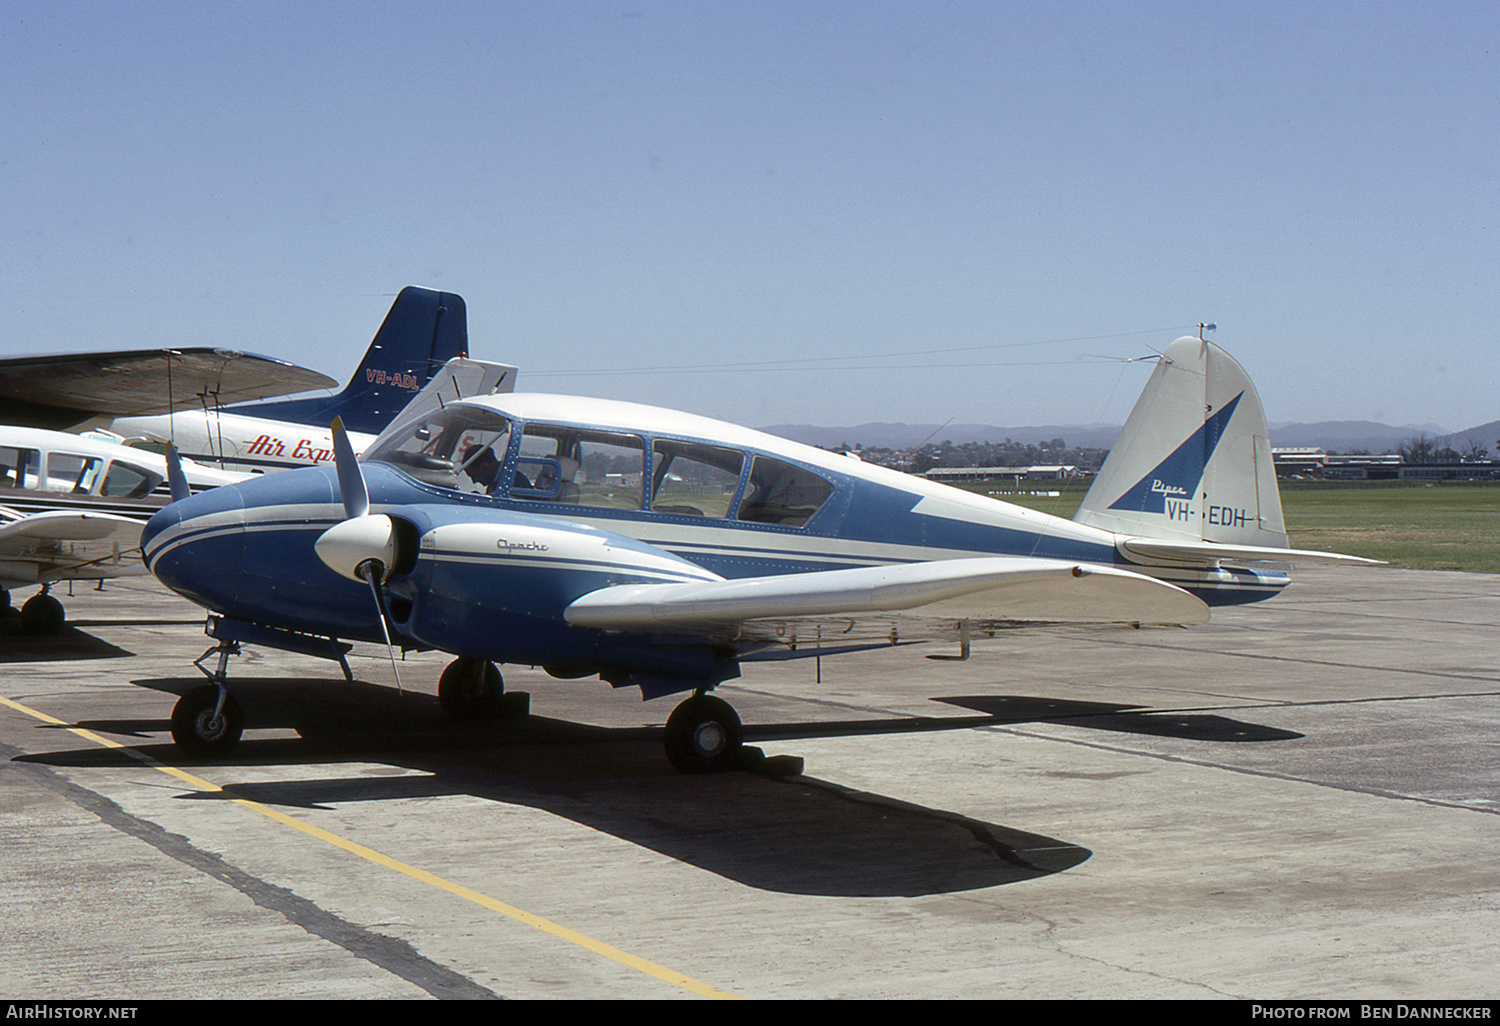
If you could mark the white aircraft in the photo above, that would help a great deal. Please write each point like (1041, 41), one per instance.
(423, 330)
(661, 550)
(72, 508)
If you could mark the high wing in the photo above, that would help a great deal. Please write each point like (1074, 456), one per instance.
(62, 391)
(63, 545)
(985, 588)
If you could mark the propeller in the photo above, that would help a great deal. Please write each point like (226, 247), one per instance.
(361, 546)
(352, 488)
(176, 479)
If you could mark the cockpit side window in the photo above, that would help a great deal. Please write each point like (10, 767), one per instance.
(125, 481)
(694, 480)
(782, 493)
(582, 467)
(459, 447)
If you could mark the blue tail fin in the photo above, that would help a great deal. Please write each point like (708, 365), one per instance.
(423, 330)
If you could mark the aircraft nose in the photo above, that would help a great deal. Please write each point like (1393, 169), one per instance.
(347, 546)
(195, 545)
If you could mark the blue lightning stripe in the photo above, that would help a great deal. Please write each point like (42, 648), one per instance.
(1177, 476)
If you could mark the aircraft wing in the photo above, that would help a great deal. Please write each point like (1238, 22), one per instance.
(65, 545)
(986, 588)
(67, 389)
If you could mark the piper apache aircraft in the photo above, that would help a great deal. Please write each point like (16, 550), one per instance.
(662, 550)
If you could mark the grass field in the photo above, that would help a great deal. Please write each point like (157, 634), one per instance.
(1426, 527)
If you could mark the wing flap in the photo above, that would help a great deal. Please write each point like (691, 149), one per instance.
(990, 588)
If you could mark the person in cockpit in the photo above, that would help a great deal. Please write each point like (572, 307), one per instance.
(482, 467)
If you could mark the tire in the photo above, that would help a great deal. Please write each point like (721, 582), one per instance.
(43, 614)
(466, 695)
(194, 729)
(703, 735)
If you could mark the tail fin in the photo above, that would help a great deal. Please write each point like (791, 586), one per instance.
(423, 330)
(1193, 462)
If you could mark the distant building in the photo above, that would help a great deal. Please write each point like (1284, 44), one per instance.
(959, 475)
(1304, 462)
(1315, 463)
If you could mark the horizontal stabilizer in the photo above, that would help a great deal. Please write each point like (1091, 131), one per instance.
(990, 588)
(1192, 553)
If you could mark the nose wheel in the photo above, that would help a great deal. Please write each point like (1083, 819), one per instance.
(703, 735)
(207, 721)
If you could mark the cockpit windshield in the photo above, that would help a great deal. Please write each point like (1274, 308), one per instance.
(459, 447)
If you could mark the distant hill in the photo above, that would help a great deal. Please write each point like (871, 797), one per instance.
(1486, 435)
(1343, 435)
(1337, 435)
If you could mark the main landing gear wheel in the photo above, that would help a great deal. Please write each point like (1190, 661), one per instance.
(472, 689)
(201, 727)
(703, 735)
(42, 614)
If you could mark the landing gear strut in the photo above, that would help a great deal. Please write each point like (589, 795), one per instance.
(703, 735)
(472, 689)
(207, 720)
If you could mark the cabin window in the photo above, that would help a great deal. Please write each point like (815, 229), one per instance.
(580, 467)
(782, 493)
(68, 472)
(18, 467)
(695, 480)
(460, 447)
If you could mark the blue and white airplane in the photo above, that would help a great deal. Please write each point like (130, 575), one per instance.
(662, 550)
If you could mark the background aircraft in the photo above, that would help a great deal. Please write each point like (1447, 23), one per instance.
(73, 390)
(423, 330)
(72, 508)
(662, 550)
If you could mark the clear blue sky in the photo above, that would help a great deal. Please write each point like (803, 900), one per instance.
(849, 212)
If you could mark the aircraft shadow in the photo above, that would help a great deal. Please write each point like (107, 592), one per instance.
(795, 834)
(19, 645)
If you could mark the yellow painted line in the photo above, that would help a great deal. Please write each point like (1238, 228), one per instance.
(547, 926)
